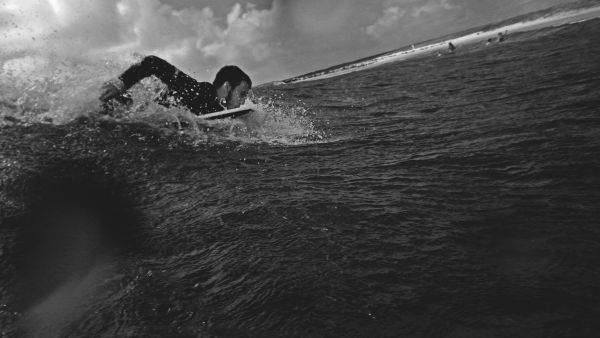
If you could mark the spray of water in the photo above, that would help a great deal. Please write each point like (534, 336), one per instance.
(47, 89)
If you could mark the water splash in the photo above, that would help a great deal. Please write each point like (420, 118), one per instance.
(276, 121)
(47, 89)
(42, 89)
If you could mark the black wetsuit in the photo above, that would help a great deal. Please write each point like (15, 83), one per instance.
(183, 90)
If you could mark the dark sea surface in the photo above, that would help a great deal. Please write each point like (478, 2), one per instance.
(452, 196)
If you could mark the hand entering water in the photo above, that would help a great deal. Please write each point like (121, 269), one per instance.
(110, 90)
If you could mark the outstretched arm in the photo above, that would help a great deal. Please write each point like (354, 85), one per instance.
(150, 65)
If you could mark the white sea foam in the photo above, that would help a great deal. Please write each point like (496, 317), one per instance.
(276, 121)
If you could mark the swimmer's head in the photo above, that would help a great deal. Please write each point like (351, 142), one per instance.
(232, 86)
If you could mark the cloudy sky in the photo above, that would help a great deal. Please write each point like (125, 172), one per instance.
(270, 39)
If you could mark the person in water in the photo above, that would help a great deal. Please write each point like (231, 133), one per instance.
(451, 47)
(501, 37)
(228, 90)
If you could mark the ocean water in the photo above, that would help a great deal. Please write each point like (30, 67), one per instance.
(452, 196)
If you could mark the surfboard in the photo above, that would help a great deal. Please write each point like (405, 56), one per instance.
(227, 113)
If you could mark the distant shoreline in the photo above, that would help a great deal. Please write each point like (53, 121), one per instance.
(404, 53)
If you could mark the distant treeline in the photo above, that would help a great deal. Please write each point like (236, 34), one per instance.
(579, 4)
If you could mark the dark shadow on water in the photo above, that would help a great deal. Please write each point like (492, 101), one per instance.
(78, 218)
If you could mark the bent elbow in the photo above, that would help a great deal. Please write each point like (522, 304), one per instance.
(152, 60)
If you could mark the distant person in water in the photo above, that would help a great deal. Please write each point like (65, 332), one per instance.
(500, 37)
(451, 47)
(228, 90)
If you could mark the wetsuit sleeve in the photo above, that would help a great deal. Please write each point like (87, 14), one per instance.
(153, 65)
(199, 97)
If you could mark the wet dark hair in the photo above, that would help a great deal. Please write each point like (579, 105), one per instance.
(232, 74)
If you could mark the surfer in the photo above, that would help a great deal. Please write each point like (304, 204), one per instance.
(500, 37)
(451, 47)
(228, 90)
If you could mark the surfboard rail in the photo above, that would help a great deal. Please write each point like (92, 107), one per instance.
(231, 113)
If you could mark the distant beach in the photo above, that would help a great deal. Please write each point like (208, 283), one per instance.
(556, 19)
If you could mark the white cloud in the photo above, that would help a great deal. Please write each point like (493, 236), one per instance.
(193, 38)
(432, 7)
(390, 18)
(400, 17)
(249, 34)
